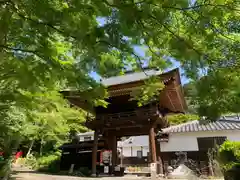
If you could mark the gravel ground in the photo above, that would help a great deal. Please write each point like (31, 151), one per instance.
(26, 174)
(37, 176)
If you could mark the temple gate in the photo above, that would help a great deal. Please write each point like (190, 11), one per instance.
(123, 117)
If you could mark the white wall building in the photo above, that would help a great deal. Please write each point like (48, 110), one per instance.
(135, 146)
(186, 137)
(183, 137)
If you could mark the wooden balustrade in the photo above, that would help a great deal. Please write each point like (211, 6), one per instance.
(140, 112)
(130, 117)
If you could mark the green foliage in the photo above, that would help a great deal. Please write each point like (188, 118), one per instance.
(181, 118)
(190, 93)
(148, 92)
(31, 161)
(42, 116)
(49, 163)
(215, 94)
(218, 93)
(46, 46)
(229, 155)
(5, 167)
(42, 42)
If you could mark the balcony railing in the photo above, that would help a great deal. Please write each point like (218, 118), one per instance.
(139, 116)
(138, 113)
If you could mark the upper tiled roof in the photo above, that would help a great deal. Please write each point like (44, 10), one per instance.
(135, 141)
(130, 77)
(90, 133)
(196, 126)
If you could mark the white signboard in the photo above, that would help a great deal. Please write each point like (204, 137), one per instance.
(106, 169)
(153, 166)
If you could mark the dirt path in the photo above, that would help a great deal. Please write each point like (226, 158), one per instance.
(38, 176)
(26, 174)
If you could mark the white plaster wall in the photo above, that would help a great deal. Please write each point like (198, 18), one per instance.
(188, 141)
(134, 151)
(127, 151)
(145, 151)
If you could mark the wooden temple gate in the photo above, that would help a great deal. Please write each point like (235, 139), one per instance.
(123, 117)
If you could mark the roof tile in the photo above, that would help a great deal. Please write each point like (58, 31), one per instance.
(196, 126)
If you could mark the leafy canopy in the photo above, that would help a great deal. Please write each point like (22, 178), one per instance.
(59, 43)
(181, 118)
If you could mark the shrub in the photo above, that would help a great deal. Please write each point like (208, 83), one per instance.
(83, 171)
(5, 167)
(31, 161)
(229, 158)
(229, 155)
(49, 163)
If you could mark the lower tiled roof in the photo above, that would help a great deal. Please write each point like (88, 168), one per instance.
(197, 126)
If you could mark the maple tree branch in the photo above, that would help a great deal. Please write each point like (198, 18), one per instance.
(19, 49)
(116, 6)
(176, 36)
(4, 2)
(40, 22)
(199, 6)
(48, 25)
(33, 52)
(177, 8)
(139, 63)
(212, 26)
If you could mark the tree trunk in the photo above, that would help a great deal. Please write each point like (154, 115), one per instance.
(30, 148)
(41, 147)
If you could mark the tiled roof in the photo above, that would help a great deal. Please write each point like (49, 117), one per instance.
(90, 133)
(131, 77)
(196, 126)
(135, 141)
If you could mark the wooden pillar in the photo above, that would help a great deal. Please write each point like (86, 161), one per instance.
(94, 153)
(159, 159)
(112, 142)
(153, 155)
(114, 151)
(160, 168)
(152, 146)
(121, 161)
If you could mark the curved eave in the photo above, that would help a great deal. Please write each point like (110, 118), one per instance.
(171, 97)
